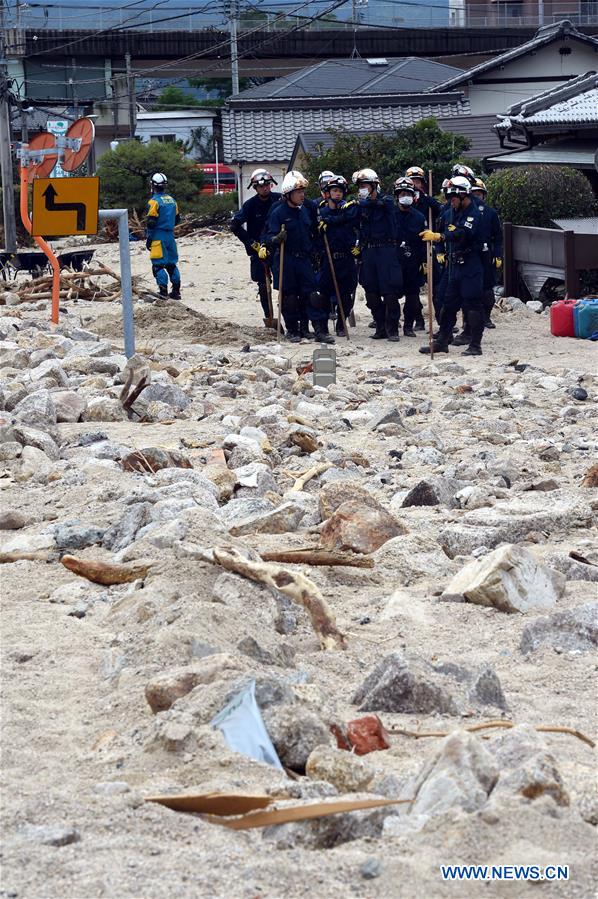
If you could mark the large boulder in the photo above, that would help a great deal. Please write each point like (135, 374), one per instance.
(359, 528)
(574, 629)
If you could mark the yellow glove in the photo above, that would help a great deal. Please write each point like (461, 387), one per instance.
(424, 268)
(355, 251)
(322, 226)
(430, 235)
(440, 257)
(498, 263)
(255, 246)
(263, 252)
(452, 228)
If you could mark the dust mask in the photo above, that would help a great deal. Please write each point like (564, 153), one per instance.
(405, 201)
(363, 193)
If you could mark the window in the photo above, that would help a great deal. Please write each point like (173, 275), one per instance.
(163, 138)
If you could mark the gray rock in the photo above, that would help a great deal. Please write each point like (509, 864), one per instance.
(51, 370)
(10, 451)
(104, 408)
(486, 689)
(398, 684)
(334, 830)
(283, 656)
(170, 394)
(370, 869)
(70, 406)
(37, 438)
(36, 410)
(573, 629)
(71, 535)
(572, 568)
(13, 520)
(390, 415)
(280, 520)
(527, 769)
(237, 511)
(124, 532)
(50, 835)
(432, 492)
(295, 732)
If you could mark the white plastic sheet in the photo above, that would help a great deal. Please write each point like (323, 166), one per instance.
(243, 728)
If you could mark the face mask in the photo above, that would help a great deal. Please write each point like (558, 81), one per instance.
(363, 193)
(405, 201)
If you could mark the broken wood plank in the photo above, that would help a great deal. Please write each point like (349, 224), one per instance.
(107, 573)
(315, 556)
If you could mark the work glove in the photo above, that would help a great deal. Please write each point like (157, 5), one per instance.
(355, 251)
(322, 226)
(430, 235)
(424, 268)
(263, 252)
(452, 228)
(441, 258)
(255, 246)
(498, 263)
(280, 237)
(148, 243)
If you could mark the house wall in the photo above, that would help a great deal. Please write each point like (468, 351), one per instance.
(529, 75)
(181, 127)
(277, 170)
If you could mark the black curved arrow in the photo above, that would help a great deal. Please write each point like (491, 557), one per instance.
(50, 196)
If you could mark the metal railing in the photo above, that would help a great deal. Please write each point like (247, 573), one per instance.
(382, 13)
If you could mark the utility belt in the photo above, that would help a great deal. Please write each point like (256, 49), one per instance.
(298, 255)
(405, 251)
(376, 245)
(459, 258)
(341, 255)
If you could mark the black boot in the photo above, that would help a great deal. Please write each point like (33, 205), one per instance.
(488, 303)
(290, 313)
(293, 336)
(436, 346)
(163, 290)
(475, 321)
(392, 317)
(379, 333)
(322, 333)
(474, 349)
(175, 293)
(304, 331)
(462, 339)
(420, 324)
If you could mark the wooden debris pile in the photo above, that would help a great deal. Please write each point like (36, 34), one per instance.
(83, 285)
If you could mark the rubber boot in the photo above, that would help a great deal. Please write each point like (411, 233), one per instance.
(475, 320)
(322, 333)
(437, 347)
(163, 290)
(488, 303)
(392, 317)
(304, 331)
(290, 306)
(462, 339)
(380, 332)
(175, 293)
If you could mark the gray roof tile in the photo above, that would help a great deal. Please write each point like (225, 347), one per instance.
(573, 103)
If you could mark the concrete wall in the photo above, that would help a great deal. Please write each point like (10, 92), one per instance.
(529, 75)
(152, 125)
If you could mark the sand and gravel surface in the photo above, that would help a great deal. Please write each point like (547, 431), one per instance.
(502, 447)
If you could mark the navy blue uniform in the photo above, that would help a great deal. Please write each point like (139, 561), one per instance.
(253, 214)
(412, 253)
(441, 270)
(424, 203)
(342, 224)
(301, 300)
(464, 240)
(380, 271)
(492, 242)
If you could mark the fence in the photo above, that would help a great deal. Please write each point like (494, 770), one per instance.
(543, 253)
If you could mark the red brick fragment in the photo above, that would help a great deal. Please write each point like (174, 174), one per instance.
(367, 734)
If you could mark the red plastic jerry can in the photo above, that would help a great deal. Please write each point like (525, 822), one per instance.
(561, 318)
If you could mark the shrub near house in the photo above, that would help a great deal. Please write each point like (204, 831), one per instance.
(536, 195)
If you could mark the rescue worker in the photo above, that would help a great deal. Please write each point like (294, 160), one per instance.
(253, 214)
(380, 271)
(465, 279)
(492, 250)
(412, 251)
(323, 179)
(161, 217)
(339, 221)
(293, 222)
(430, 208)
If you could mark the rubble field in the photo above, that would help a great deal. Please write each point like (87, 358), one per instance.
(444, 513)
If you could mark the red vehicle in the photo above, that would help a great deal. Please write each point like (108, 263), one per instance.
(218, 178)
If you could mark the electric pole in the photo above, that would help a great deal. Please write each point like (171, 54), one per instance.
(130, 94)
(234, 55)
(8, 188)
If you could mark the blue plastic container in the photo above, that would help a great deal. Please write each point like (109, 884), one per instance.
(585, 317)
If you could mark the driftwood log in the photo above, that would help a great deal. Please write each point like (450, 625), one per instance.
(106, 573)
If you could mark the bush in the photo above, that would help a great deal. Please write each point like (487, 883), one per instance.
(125, 175)
(536, 195)
(422, 144)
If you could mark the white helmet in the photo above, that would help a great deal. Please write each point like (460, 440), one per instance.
(367, 175)
(465, 171)
(458, 186)
(324, 177)
(293, 180)
(261, 176)
(159, 181)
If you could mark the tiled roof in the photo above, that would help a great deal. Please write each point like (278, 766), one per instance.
(580, 226)
(479, 129)
(566, 152)
(573, 103)
(353, 77)
(269, 135)
(546, 35)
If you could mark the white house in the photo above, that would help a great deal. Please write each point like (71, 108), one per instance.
(168, 127)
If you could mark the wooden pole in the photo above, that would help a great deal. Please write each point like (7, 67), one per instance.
(430, 264)
(336, 288)
(280, 287)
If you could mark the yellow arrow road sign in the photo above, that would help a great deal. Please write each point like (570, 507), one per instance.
(65, 206)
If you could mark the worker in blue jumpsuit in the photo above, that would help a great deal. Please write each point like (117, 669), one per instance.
(411, 249)
(380, 271)
(253, 214)
(464, 288)
(339, 221)
(425, 204)
(161, 217)
(293, 222)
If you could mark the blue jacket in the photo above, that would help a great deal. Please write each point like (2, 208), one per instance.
(409, 224)
(253, 214)
(463, 232)
(377, 221)
(491, 229)
(300, 225)
(162, 214)
(342, 225)
(425, 202)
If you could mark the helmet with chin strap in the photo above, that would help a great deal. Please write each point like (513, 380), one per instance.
(365, 176)
(293, 180)
(337, 181)
(458, 186)
(404, 184)
(261, 176)
(159, 182)
(464, 171)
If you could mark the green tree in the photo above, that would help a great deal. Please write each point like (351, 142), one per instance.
(390, 153)
(173, 98)
(125, 175)
(538, 194)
